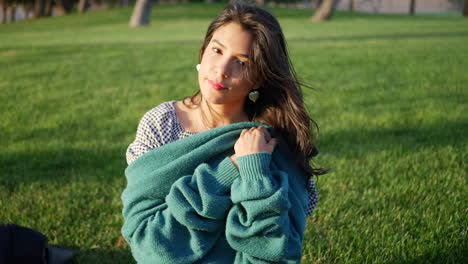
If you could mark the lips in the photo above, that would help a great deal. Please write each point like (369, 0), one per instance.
(216, 85)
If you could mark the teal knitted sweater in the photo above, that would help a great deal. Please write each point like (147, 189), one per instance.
(186, 202)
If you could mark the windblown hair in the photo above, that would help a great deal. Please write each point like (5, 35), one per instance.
(281, 104)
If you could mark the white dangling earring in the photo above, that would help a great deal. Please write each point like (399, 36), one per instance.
(198, 67)
(253, 95)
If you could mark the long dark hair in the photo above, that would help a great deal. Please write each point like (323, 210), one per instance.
(281, 104)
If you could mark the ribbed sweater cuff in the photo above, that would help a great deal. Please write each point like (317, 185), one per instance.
(225, 176)
(254, 166)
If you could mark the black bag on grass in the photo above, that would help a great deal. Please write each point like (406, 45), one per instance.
(24, 245)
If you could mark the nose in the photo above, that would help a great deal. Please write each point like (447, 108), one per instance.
(223, 69)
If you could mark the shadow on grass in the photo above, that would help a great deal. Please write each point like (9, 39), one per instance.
(103, 256)
(455, 255)
(409, 138)
(63, 165)
(66, 164)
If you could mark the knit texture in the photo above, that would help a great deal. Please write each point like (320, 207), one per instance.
(185, 202)
(160, 126)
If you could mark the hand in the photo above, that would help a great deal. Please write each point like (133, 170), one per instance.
(254, 140)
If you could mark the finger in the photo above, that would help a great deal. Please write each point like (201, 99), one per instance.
(249, 131)
(257, 131)
(272, 142)
(260, 136)
(265, 133)
(261, 129)
(243, 132)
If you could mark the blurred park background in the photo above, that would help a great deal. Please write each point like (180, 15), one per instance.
(17, 10)
(389, 94)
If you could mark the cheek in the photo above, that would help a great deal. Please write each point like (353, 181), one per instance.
(205, 65)
(207, 56)
(202, 69)
(243, 87)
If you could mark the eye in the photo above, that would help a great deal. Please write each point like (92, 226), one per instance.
(241, 63)
(216, 50)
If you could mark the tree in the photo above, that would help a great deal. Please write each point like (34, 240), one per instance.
(9, 8)
(352, 5)
(29, 10)
(64, 6)
(325, 11)
(42, 8)
(83, 6)
(39, 8)
(10, 13)
(3, 10)
(141, 13)
(412, 7)
(48, 8)
(465, 8)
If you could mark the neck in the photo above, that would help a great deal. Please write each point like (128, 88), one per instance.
(216, 115)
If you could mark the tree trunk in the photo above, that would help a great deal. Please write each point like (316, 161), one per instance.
(48, 8)
(141, 13)
(10, 13)
(59, 9)
(83, 6)
(412, 7)
(352, 5)
(465, 8)
(64, 6)
(29, 10)
(39, 8)
(2, 11)
(325, 11)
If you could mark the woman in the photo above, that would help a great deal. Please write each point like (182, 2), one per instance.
(224, 176)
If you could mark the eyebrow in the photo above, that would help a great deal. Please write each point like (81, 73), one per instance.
(222, 45)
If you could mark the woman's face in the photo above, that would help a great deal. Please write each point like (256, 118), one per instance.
(223, 62)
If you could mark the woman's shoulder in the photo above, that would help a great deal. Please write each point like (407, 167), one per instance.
(163, 113)
(162, 124)
(157, 127)
(159, 123)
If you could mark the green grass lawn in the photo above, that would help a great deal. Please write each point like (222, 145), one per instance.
(390, 95)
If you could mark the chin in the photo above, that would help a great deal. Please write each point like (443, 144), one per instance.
(212, 96)
(213, 99)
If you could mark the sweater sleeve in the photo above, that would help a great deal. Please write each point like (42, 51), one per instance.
(184, 226)
(262, 226)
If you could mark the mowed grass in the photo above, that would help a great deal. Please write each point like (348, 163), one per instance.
(389, 93)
